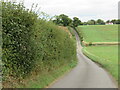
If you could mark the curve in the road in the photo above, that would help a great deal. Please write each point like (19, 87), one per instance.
(86, 74)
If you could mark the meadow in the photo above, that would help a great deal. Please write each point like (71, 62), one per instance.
(99, 33)
(107, 56)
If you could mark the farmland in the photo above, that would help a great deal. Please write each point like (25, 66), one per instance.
(99, 33)
(105, 55)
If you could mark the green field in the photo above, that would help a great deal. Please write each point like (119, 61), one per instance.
(99, 33)
(107, 56)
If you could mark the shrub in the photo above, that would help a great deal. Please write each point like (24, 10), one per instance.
(17, 50)
(31, 44)
(54, 46)
(90, 44)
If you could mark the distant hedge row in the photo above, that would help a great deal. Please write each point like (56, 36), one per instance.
(32, 44)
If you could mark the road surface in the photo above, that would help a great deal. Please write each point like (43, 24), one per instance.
(86, 74)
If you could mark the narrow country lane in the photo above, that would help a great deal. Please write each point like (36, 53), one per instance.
(86, 74)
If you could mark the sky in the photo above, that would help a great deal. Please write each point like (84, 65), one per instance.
(84, 9)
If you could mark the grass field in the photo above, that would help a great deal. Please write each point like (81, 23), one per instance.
(99, 33)
(107, 56)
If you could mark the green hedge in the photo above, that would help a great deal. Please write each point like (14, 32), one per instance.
(17, 23)
(31, 44)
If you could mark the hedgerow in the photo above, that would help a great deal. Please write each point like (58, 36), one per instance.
(31, 44)
(17, 24)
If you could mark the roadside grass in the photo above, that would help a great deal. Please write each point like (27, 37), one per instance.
(107, 56)
(44, 79)
(99, 33)
(71, 30)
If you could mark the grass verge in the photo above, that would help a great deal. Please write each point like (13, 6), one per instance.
(46, 78)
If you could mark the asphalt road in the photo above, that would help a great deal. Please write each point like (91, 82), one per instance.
(86, 74)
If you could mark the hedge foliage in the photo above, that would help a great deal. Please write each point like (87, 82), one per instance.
(32, 44)
(17, 46)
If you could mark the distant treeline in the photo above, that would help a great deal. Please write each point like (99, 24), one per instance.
(66, 21)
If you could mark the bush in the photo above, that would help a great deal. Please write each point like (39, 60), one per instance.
(54, 45)
(17, 46)
(31, 44)
(90, 44)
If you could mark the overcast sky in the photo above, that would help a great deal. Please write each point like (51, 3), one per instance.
(84, 9)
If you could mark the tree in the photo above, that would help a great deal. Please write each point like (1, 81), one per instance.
(76, 22)
(91, 22)
(62, 20)
(65, 20)
(108, 21)
(118, 21)
(84, 23)
(57, 20)
(114, 21)
(100, 22)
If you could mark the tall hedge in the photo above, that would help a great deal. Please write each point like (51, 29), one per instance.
(54, 46)
(32, 44)
(17, 24)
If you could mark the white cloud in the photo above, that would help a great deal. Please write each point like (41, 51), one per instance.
(84, 9)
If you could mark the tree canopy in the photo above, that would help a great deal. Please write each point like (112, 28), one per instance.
(100, 22)
(62, 20)
(76, 22)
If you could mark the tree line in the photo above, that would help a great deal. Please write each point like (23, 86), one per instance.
(65, 20)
